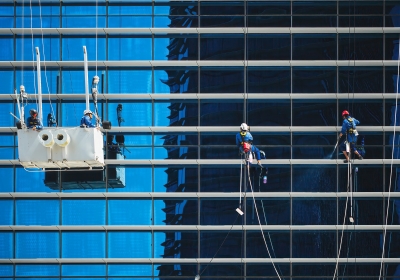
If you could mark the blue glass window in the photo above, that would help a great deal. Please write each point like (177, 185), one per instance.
(6, 245)
(6, 43)
(83, 212)
(32, 245)
(37, 270)
(83, 245)
(129, 270)
(7, 210)
(119, 209)
(83, 270)
(37, 212)
(129, 245)
(73, 49)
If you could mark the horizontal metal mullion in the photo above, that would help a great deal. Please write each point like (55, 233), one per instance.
(230, 162)
(199, 30)
(165, 228)
(134, 97)
(233, 130)
(203, 63)
(198, 195)
(201, 260)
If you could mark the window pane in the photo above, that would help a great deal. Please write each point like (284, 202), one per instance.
(37, 245)
(83, 212)
(83, 245)
(129, 245)
(37, 212)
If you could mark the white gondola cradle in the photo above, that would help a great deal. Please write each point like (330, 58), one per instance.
(60, 148)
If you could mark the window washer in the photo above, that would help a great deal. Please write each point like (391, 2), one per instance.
(349, 129)
(86, 120)
(33, 122)
(244, 140)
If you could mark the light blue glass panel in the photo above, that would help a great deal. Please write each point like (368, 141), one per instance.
(6, 245)
(37, 270)
(130, 81)
(160, 179)
(6, 140)
(8, 120)
(7, 179)
(7, 45)
(134, 114)
(73, 81)
(86, 278)
(129, 21)
(161, 10)
(129, 10)
(83, 10)
(37, 22)
(73, 50)
(139, 153)
(27, 9)
(129, 270)
(28, 78)
(7, 212)
(6, 10)
(129, 245)
(159, 214)
(7, 153)
(72, 113)
(160, 153)
(162, 21)
(6, 22)
(30, 181)
(83, 212)
(129, 48)
(118, 209)
(6, 270)
(159, 85)
(159, 238)
(37, 212)
(83, 22)
(161, 113)
(37, 245)
(83, 270)
(49, 48)
(160, 48)
(7, 81)
(137, 179)
(83, 244)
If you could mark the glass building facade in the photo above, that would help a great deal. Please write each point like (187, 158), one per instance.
(177, 78)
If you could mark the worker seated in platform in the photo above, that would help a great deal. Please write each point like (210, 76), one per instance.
(33, 122)
(86, 120)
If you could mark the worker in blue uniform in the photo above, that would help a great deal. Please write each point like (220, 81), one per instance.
(244, 140)
(349, 129)
(86, 120)
(32, 121)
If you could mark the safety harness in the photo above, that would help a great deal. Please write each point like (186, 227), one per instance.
(245, 145)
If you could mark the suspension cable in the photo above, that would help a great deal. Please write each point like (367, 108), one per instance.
(259, 222)
(391, 162)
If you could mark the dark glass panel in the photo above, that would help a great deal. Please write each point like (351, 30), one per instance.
(314, 112)
(268, 47)
(270, 211)
(314, 212)
(221, 114)
(360, 47)
(316, 47)
(278, 245)
(318, 244)
(360, 79)
(312, 179)
(314, 80)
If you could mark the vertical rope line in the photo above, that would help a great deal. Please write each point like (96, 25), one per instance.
(391, 162)
(33, 54)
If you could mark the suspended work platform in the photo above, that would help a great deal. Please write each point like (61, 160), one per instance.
(61, 148)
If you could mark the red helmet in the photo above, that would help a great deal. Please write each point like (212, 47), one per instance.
(345, 113)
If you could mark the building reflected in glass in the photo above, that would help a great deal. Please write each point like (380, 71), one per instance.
(177, 78)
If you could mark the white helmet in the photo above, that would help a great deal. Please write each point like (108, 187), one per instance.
(87, 112)
(244, 127)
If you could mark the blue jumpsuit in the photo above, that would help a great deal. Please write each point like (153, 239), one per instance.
(34, 122)
(86, 121)
(349, 124)
(249, 139)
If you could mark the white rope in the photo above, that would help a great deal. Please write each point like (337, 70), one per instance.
(33, 55)
(391, 163)
(259, 222)
(345, 216)
(44, 59)
(96, 35)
